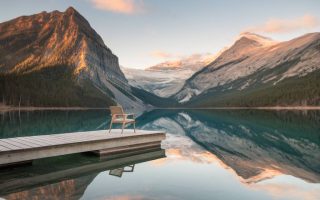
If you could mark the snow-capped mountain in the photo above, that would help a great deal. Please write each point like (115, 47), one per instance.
(259, 70)
(167, 78)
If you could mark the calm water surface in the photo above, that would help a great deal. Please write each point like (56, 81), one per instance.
(243, 154)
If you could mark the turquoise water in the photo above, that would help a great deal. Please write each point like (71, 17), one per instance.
(208, 154)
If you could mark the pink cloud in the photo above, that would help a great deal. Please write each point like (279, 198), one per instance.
(163, 55)
(279, 190)
(286, 25)
(120, 6)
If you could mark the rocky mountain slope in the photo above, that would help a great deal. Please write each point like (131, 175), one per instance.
(257, 71)
(57, 59)
(167, 78)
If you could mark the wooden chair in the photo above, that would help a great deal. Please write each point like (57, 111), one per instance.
(119, 117)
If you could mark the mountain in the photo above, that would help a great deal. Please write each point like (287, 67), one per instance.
(58, 59)
(257, 71)
(167, 78)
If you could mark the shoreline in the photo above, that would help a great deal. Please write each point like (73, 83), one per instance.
(248, 108)
(11, 108)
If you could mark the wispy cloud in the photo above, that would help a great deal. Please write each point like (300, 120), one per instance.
(193, 58)
(291, 190)
(164, 55)
(120, 6)
(286, 25)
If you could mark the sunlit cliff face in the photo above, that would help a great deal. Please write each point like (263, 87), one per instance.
(56, 38)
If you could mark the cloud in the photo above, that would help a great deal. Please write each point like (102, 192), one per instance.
(163, 55)
(280, 190)
(167, 55)
(285, 25)
(120, 6)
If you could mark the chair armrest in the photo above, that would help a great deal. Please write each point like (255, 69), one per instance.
(130, 114)
(123, 115)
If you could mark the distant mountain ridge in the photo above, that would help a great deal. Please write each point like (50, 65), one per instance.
(58, 59)
(167, 78)
(257, 71)
(193, 62)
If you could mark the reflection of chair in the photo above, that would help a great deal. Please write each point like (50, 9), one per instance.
(118, 116)
(118, 172)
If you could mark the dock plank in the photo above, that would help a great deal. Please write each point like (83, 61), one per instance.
(17, 144)
(2, 148)
(7, 145)
(50, 140)
(39, 144)
(43, 142)
(21, 143)
(54, 140)
(82, 138)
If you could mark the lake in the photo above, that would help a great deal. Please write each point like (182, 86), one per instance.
(208, 154)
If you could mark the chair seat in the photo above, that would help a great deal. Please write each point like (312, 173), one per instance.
(121, 120)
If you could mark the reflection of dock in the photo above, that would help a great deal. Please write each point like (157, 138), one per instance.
(52, 170)
(20, 149)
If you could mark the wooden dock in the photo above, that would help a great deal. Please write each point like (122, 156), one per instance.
(25, 149)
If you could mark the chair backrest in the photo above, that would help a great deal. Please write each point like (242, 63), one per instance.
(116, 110)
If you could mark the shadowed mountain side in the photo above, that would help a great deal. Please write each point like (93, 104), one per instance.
(293, 91)
(52, 86)
(152, 99)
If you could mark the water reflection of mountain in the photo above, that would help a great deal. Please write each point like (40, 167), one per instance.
(14, 124)
(71, 189)
(256, 144)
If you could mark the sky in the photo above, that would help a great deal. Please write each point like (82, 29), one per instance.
(143, 33)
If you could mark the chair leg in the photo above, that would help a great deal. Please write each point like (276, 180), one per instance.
(134, 127)
(110, 127)
(122, 127)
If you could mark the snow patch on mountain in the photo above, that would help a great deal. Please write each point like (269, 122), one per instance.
(166, 79)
